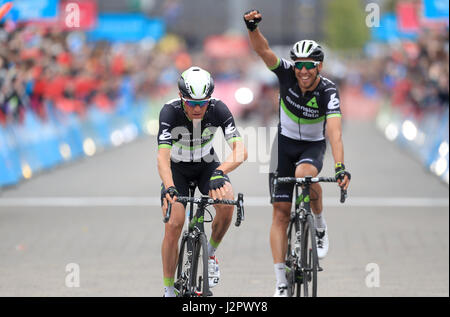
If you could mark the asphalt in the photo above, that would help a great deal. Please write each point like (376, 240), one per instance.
(391, 237)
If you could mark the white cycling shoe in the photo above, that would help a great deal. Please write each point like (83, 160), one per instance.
(281, 291)
(322, 242)
(213, 271)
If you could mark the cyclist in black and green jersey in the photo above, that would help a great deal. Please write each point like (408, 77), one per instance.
(309, 112)
(185, 153)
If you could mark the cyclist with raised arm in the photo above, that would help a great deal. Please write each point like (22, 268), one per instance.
(186, 129)
(309, 111)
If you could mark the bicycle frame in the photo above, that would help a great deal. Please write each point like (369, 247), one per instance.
(194, 238)
(302, 222)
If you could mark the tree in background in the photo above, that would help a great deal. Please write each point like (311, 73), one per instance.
(345, 27)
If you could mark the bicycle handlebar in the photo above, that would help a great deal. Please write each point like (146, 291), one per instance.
(206, 201)
(310, 180)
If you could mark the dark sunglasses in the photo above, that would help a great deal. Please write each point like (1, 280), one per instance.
(307, 65)
(195, 103)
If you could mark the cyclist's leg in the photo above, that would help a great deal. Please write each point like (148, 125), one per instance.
(310, 164)
(173, 228)
(224, 216)
(284, 161)
(224, 213)
(306, 169)
(221, 222)
(282, 204)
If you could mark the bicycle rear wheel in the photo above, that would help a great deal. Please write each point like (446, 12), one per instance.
(309, 259)
(199, 283)
(293, 275)
(183, 267)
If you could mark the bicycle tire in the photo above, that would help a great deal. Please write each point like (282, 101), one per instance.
(310, 260)
(182, 274)
(199, 283)
(292, 274)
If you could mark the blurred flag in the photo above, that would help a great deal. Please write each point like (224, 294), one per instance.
(5, 9)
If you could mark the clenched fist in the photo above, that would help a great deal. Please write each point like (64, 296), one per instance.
(251, 19)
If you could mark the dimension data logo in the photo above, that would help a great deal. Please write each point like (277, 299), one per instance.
(312, 103)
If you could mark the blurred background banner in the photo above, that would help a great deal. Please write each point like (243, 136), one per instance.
(126, 28)
(34, 10)
(78, 77)
(436, 9)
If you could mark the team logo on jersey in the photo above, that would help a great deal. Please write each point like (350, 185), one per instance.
(206, 133)
(312, 103)
(230, 128)
(165, 135)
(333, 103)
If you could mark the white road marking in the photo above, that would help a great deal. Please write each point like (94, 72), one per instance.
(252, 201)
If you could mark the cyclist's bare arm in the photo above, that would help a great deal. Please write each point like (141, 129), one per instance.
(236, 157)
(260, 44)
(334, 132)
(164, 169)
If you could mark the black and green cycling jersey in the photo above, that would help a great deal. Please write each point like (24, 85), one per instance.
(189, 144)
(304, 116)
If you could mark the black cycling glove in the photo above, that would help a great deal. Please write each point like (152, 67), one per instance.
(252, 24)
(172, 191)
(339, 168)
(217, 179)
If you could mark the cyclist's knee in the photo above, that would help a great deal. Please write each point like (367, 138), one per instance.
(225, 211)
(281, 211)
(306, 169)
(176, 221)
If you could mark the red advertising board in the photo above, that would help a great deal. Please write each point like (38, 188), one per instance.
(79, 14)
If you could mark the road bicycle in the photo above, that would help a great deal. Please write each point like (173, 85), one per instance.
(302, 262)
(192, 267)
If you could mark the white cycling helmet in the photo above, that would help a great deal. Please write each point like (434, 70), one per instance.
(196, 83)
(307, 49)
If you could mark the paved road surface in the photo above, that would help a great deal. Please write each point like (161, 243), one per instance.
(101, 213)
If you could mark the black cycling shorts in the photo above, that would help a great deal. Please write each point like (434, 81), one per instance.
(185, 172)
(286, 155)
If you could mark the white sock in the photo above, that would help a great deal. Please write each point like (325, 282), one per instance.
(211, 250)
(169, 291)
(320, 221)
(280, 273)
(212, 247)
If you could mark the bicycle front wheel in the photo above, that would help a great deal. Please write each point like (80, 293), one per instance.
(183, 266)
(309, 259)
(293, 274)
(199, 283)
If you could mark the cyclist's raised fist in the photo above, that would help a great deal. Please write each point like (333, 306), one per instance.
(252, 18)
